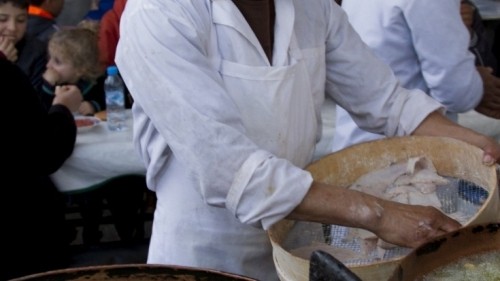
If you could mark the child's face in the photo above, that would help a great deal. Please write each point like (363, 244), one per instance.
(65, 69)
(13, 22)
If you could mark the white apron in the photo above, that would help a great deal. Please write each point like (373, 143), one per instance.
(278, 112)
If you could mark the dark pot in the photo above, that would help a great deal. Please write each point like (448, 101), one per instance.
(142, 272)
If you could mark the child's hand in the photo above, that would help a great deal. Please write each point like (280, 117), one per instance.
(8, 48)
(51, 76)
(86, 108)
(69, 96)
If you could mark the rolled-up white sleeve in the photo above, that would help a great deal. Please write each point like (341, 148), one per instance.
(260, 206)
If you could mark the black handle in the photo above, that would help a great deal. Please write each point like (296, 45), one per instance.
(324, 267)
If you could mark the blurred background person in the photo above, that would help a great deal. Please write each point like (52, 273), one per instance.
(73, 12)
(109, 33)
(42, 16)
(496, 45)
(28, 53)
(481, 45)
(93, 17)
(98, 9)
(431, 55)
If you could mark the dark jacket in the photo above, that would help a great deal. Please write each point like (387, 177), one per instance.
(41, 28)
(93, 92)
(34, 235)
(32, 59)
(496, 47)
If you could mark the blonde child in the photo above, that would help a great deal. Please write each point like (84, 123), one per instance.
(74, 60)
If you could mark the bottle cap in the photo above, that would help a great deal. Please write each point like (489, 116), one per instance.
(112, 70)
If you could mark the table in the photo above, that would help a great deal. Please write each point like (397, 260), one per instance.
(99, 156)
(105, 175)
(480, 123)
(471, 119)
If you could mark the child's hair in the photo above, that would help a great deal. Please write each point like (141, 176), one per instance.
(80, 47)
(23, 4)
(90, 24)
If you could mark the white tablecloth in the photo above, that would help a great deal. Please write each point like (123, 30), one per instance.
(480, 123)
(99, 155)
(472, 119)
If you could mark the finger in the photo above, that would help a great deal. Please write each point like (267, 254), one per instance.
(488, 160)
(450, 225)
(443, 222)
(424, 232)
(4, 41)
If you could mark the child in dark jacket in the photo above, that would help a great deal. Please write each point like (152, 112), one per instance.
(74, 60)
(26, 52)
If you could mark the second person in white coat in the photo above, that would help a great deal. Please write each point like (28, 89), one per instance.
(426, 44)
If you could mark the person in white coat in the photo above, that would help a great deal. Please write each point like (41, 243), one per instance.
(426, 44)
(227, 98)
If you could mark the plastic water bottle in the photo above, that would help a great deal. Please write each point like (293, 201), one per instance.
(115, 100)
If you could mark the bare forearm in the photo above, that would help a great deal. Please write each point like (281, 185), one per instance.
(337, 205)
(400, 224)
(438, 125)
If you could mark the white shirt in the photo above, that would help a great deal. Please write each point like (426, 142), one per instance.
(225, 135)
(425, 42)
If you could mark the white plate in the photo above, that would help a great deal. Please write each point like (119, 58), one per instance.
(85, 123)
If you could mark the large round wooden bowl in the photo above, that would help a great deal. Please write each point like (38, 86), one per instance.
(451, 158)
(448, 249)
(137, 272)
